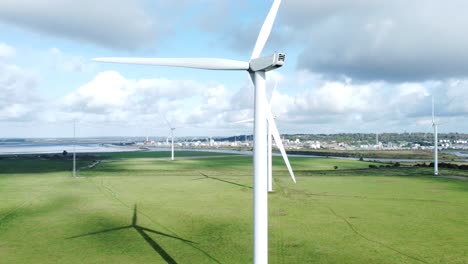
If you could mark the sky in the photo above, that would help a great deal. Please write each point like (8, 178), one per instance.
(357, 66)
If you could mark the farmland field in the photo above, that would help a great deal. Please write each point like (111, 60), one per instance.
(144, 208)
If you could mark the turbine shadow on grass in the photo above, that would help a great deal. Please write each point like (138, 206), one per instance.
(217, 179)
(353, 228)
(143, 232)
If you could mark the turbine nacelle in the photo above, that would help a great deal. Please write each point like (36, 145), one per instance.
(267, 63)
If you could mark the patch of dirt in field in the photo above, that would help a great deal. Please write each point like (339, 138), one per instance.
(374, 241)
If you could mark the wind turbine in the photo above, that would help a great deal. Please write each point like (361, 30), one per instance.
(434, 125)
(74, 149)
(257, 67)
(172, 135)
(147, 136)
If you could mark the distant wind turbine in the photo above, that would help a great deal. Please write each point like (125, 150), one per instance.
(434, 125)
(172, 135)
(147, 135)
(74, 149)
(257, 67)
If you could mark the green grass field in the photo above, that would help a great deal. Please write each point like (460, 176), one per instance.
(160, 154)
(386, 154)
(134, 208)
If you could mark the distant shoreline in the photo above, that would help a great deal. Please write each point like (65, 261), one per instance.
(379, 156)
(30, 149)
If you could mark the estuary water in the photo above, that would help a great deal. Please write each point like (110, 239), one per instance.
(11, 148)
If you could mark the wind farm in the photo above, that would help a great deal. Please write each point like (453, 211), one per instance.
(121, 142)
(257, 68)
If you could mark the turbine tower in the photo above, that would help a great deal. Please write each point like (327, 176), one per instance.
(257, 67)
(172, 143)
(270, 158)
(74, 149)
(147, 136)
(434, 125)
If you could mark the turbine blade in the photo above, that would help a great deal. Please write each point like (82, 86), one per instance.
(276, 85)
(250, 120)
(279, 143)
(197, 63)
(266, 30)
(273, 91)
(442, 123)
(167, 121)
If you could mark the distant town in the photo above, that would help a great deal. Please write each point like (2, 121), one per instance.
(344, 144)
(344, 141)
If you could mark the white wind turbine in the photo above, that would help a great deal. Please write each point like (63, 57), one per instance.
(74, 149)
(147, 135)
(172, 136)
(434, 125)
(257, 67)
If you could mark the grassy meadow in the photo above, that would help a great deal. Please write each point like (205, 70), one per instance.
(143, 208)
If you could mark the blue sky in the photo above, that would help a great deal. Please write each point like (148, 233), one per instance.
(352, 66)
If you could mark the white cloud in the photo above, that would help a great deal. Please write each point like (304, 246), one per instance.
(456, 96)
(18, 97)
(120, 24)
(6, 51)
(393, 41)
(336, 97)
(70, 63)
(349, 106)
(112, 97)
(107, 92)
(209, 108)
(381, 40)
